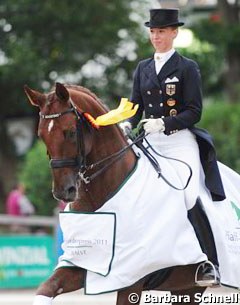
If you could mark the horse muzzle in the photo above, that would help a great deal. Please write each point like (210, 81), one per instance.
(67, 194)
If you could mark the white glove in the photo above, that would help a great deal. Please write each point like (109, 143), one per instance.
(153, 125)
(126, 128)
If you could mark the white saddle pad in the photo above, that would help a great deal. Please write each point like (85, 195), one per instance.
(224, 217)
(88, 240)
(152, 230)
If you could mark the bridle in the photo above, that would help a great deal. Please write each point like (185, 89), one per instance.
(80, 161)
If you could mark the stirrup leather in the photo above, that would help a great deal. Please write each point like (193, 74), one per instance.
(206, 283)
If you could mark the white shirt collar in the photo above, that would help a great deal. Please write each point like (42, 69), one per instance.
(163, 57)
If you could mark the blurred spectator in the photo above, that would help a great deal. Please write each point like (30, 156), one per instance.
(17, 203)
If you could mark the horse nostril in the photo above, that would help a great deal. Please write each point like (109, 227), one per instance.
(72, 190)
(66, 195)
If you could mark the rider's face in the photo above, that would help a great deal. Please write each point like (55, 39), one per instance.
(162, 38)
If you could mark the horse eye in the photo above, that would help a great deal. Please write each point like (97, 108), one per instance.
(69, 135)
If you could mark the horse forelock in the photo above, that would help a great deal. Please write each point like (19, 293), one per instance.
(50, 98)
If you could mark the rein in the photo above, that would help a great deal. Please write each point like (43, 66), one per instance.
(169, 158)
(111, 159)
(80, 160)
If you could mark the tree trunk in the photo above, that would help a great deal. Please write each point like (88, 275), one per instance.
(232, 79)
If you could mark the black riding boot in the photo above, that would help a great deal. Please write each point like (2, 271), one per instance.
(201, 225)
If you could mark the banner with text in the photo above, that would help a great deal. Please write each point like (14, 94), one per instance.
(25, 261)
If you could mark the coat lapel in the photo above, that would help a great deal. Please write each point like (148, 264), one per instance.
(170, 67)
(150, 72)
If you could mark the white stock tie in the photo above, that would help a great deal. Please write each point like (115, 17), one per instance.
(159, 62)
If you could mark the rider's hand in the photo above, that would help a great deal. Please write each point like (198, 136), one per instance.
(153, 125)
(126, 128)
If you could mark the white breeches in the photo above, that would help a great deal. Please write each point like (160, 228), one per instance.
(183, 146)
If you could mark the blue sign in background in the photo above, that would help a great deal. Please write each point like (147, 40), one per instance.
(26, 261)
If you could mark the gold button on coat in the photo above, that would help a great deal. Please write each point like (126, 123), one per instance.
(171, 102)
(173, 112)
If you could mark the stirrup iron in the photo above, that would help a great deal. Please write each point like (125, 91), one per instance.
(206, 283)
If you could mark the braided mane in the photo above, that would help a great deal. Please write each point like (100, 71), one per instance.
(87, 91)
(83, 89)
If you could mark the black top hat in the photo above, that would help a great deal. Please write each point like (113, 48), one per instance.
(162, 18)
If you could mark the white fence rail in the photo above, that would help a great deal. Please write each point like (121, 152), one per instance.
(31, 221)
(43, 221)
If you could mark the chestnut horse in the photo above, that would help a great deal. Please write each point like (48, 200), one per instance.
(84, 164)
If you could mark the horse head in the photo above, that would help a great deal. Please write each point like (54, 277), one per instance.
(71, 139)
(58, 128)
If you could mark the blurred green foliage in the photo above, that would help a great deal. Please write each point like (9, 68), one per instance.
(36, 176)
(43, 41)
(222, 120)
(211, 64)
(222, 38)
(219, 33)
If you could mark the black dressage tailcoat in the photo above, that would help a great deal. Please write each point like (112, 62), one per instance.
(175, 95)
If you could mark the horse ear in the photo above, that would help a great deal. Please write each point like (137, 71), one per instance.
(36, 98)
(62, 92)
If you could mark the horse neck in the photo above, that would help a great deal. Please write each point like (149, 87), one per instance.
(99, 190)
(105, 142)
